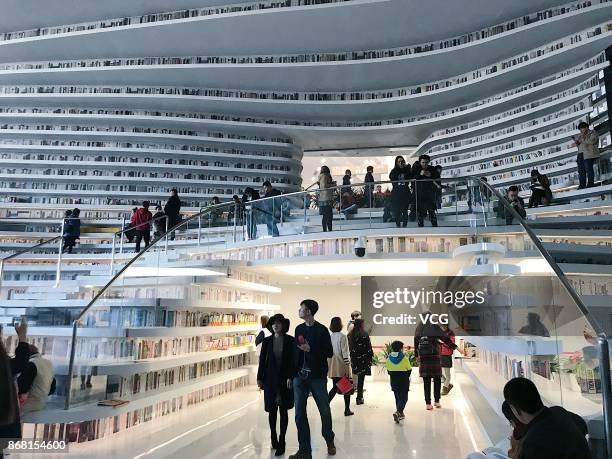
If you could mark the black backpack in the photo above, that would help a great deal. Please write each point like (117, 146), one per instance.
(426, 346)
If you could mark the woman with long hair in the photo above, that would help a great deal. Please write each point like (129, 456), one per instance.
(361, 356)
(274, 376)
(339, 363)
(400, 175)
(326, 197)
(10, 423)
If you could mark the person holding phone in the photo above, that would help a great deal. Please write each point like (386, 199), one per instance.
(588, 152)
(313, 348)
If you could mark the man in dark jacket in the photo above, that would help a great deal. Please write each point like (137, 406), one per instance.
(173, 210)
(313, 349)
(271, 208)
(513, 199)
(369, 189)
(551, 433)
(159, 222)
(425, 194)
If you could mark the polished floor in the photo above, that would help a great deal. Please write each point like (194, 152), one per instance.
(235, 426)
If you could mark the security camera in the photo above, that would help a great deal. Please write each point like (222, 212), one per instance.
(360, 247)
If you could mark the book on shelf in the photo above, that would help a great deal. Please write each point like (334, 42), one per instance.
(113, 403)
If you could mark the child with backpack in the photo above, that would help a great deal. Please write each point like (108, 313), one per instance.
(399, 369)
(427, 339)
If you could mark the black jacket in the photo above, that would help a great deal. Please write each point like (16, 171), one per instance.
(426, 189)
(361, 353)
(18, 363)
(400, 194)
(320, 349)
(173, 208)
(505, 214)
(273, 377)
(555, 434)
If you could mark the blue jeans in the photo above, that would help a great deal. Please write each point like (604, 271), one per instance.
(586, 174)
(318, 387)
(272, 228)
(401, 398)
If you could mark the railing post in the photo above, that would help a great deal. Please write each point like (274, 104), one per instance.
(606, 390)
(166, 242)
(199, 228)
(236, 210)
(304, 223)
(121, 235)
(71, 365)
(1, 275)
(456, 206)
(58, 270)
(112, 260)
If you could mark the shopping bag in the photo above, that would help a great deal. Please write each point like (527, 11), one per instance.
(344, 385)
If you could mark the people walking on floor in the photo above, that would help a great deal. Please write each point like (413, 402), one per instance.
(314, 347)
(251, 211)
(446, 360)
(326, 198)
(400, 194)
(369, 189)
(72, 229)
(35, 382)
(173, 210)
(10, 368)
(550, 433)
(427, 339)
(399, 369)
(513, 199)
(361, 356)
(141, 221)
(339, 363)
(159, 222)
(541, 194)
(275, 378)
(425, 190)
(588, 152)
(346, 183)
(271, 208)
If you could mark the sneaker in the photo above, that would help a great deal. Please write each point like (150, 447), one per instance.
(429, 407)
(444, 391)
(396, 417)
(401, 416)
(348, 413)
(280, 450)
(331, 448)
(437, 405)
(359, 401)
(301, 455)
(450, 386)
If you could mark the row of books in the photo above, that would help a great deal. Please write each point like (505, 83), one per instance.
(147, 348)
(119, 386)
(229, 295)
(95, 429)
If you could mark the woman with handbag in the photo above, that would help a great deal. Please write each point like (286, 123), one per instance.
(361, 356)
(339, 364)
(274, 376)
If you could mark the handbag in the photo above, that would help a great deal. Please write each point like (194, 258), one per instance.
(345, 385)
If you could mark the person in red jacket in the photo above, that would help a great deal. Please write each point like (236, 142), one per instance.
(141, 222)
(446, 359)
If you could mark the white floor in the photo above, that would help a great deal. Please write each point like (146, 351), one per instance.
(236, 426)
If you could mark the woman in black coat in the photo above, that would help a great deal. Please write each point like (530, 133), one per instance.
(427, 339)
(274, 376)
(400, 195)
(361, 356)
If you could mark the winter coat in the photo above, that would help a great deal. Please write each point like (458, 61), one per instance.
(425, 193)
(173, 210)
(326, 186)
(72, 227)
(399, 369)
(273, 377)
(338, 364)
(400, 194)
(588, 145)
(430, 365)
(361, 352)
(141, 216)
